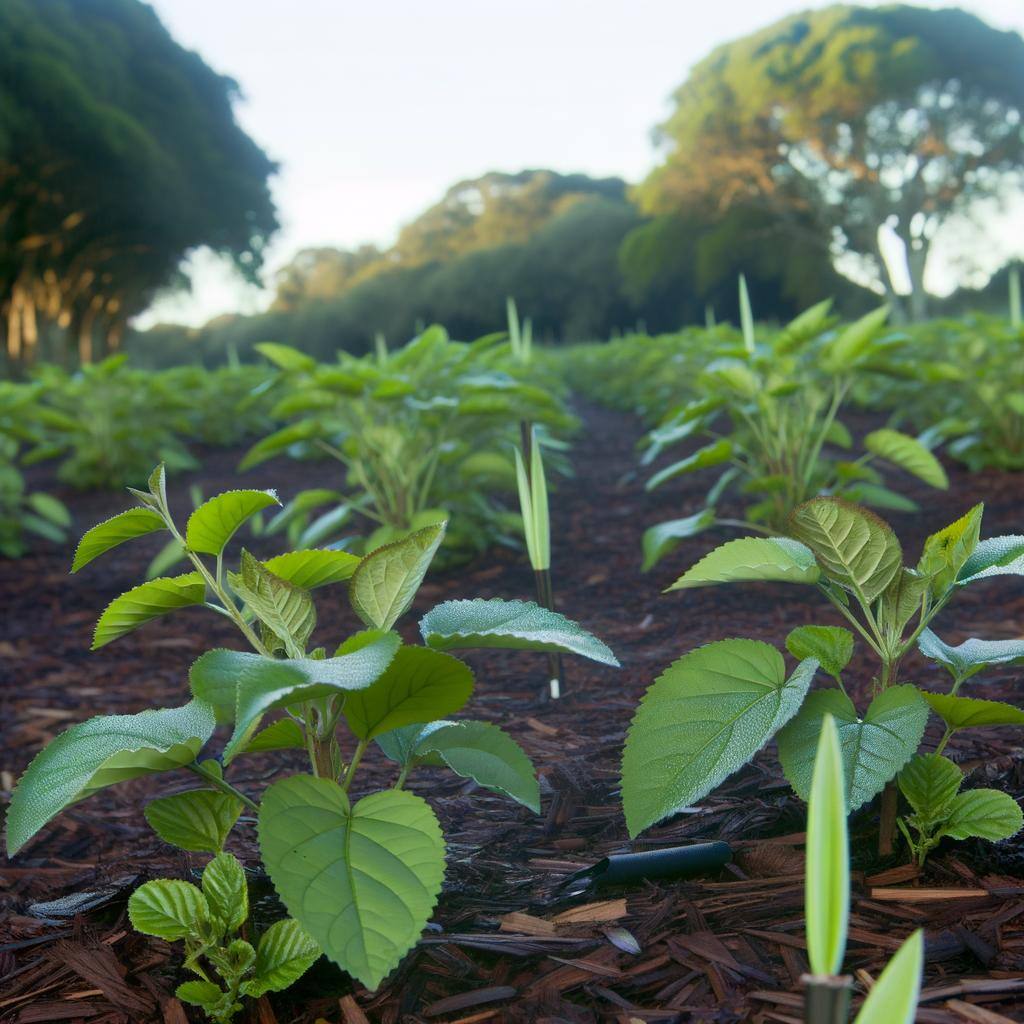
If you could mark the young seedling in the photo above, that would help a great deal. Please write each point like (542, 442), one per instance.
(713, 709)
(893, 999)
(359, 877)
(770, 413)
(533, 502)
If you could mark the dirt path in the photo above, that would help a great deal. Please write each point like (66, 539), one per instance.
(706, 946)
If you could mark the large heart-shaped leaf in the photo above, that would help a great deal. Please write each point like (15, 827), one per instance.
(135, 522)
(703, 719)
(661, 539)
(214, 523)
(874, 749)
(972, 656)
(384, 584)
(419, 685)
(909, 454)
(146, 602)
(752, 559)
(101, 752)
(361, 880)
(258, 685)
(962, 712)
(856, 548)
(519, 625)
(314, 568)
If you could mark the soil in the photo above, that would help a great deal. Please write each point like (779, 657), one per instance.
(510, 939)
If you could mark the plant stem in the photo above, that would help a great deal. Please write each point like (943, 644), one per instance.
(402, 776)
(356, 758)
(827, 999)
(223, 785)
(887, 819)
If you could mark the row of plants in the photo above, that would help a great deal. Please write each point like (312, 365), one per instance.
(768, 410)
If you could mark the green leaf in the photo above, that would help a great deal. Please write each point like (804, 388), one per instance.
(946, 552)
(660, 540)
(853, 343)
(929, 782)
(893, 999)
(419, 685)
(284, 734)
(226, 891)
(874, 749)
(713, 454)
(146, 602)
(830, 646)
(972, 656)
(751, 559)
(198, 820)
(135, 522)
(199, 993)
(261, 684)
(827, 883)
(314, 568)
(962, 712)
(518, 625)
(996, 556)
(909, 454)
(285, 357)
(167, 908)
(387, 579)
(879, 497)
(285, 952)
(985, 813)
(214, 523)
(286, 610)
(475, 750)
(903, 599)
(704, 717)
(856, 548)
(101, 752)
(362, 880)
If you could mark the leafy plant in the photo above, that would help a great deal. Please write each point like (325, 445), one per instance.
(714, 708)
(22, 511)
(210, 920)
(422, 432)
(359, 876)
(770, 412)
(893, 999)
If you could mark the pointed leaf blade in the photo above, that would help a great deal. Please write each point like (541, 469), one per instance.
(146, 602)
(747, 559)
(135, 522)
(198, 820)
(703, 719)
(214, 523)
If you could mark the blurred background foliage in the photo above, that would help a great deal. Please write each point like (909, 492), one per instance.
(785, 152)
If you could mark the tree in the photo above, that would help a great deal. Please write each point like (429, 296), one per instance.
(321, 273)
(842, 121)
(119, 153)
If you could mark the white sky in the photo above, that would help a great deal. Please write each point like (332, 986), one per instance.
(374, 108)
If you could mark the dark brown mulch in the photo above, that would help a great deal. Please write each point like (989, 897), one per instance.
(509, 941)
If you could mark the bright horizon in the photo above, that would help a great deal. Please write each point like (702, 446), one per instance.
(374, 113)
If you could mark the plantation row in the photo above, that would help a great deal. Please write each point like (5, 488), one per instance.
(446, 447)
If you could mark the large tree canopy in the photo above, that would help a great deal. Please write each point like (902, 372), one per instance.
(119, 153)
(851, 119)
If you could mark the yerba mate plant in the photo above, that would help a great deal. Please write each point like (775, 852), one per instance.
(359, 877)
(713, 709)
